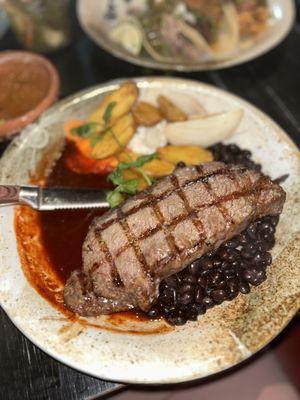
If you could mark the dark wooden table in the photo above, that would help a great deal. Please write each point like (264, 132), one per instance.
(272, 83)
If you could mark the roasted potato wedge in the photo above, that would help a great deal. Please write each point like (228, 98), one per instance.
(127, 156)
(129, 174)
(190, 155)
(146, 114)
(170, 111)
(157, 168)
(116, 138)
(124, 98)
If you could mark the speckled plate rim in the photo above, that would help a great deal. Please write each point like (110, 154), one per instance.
(69, 102)
(285, 8)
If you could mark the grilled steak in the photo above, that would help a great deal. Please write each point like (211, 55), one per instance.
(129, 250)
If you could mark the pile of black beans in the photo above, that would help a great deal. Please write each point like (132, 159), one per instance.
(223, 274)
(233, 154)
(218, 276)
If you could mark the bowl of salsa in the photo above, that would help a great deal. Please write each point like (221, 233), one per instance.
(29, 84)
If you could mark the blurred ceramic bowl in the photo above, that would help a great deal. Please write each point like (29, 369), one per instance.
(99, 18)
(29, 84)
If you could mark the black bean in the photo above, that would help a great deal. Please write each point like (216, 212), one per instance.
(167, 309)
(194, 268)
(185, 298)
(217, 262)
(252, 231)
(232, 244)
(185, 288)
(199, 295)
(220, 285)
(242, 239)
(269, 244)
(223, 254)
(171, 281)
(244, 287)
(218, 295)
(191, 279)
(193, 312)
(215, 278)
(202, 281)
(258, 258)
(154, 312)
(235, 264)
(181, 164)
(234, 255)
(171, 295)
(232, 288)
(225, 265)
(206, 264)
(266, 259)
(249, 251)
(176, 320)
(228, 273)
(257, 277)
(208, 302)
(275, 220)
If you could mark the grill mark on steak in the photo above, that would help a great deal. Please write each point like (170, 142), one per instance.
(180, 218)
(133, 243)
(109, 258)
(190, 212)
(169, 237)
(167, 193)
(218, 201)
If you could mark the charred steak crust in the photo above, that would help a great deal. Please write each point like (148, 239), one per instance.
(129, 250)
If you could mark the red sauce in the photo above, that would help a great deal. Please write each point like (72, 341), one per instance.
(58, 249)
(63, 232)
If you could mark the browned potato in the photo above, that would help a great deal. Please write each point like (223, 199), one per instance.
(146, 114)
(116, 138)
(170, 111)
(123, 98)
(158, 168)
(191, 155)
(127, 156)
(129, 174)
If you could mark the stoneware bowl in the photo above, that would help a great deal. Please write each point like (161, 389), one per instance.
(153, 352)
(13, 64)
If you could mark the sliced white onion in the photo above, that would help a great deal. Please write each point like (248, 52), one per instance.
(204, 131)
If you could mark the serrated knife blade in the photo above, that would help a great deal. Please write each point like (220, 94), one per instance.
(51, 199)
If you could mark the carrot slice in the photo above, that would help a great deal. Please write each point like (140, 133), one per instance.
(83, 145)
(79, 163)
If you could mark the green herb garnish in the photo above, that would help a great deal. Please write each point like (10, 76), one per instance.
(86, 130)
(90, 131)
(123, 187)
(108, 111)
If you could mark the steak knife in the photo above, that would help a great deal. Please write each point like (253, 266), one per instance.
(48, 199)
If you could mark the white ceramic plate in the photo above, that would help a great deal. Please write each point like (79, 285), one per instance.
(90, 14)
(223, 337)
